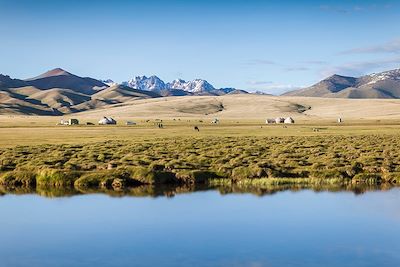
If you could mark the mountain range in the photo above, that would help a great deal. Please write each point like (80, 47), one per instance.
(377, 85)
(178, 87)
(58, 92)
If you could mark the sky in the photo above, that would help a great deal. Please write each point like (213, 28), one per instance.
(272, 46)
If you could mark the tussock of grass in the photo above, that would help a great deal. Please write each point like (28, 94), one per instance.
(195, 177)
(246, 160)
(152, 176)
(56, 178)
(18, 179)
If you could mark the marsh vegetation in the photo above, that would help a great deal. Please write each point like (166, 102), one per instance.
(236, 161)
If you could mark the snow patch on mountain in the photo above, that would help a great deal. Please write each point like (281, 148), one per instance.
(153, 83)
(109, 82)
(195, 86)
(386, 75)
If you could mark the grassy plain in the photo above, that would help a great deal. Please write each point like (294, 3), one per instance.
(36, 130)
(234, 156)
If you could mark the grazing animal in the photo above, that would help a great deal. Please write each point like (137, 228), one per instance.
(196, 128)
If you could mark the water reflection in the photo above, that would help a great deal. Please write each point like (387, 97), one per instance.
(173, 190)
(201, 226)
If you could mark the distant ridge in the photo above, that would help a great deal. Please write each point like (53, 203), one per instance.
(57, 92)
(377, 85)
(7, 82)
(59, 78)
(51, 73)
(178, 87)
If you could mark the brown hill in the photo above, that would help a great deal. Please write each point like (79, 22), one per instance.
(59, 92)
(59, 78)
(121, 93)
(237, 107)
(7, 82)
(377, 85)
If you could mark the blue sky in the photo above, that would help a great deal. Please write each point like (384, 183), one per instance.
(255, 45)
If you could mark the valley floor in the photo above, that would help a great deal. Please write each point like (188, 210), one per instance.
(37, 130)
(232, 154)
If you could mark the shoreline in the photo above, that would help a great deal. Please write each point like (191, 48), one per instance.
(168, 190)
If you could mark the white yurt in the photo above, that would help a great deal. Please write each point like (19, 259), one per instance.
(289, 120)
(107, 120)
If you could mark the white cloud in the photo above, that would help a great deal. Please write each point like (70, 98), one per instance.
(260, 62)
(362, 67)
(388, 47)
(315, 62)
(259, 82)
(355, 8)
(276, 89)
(296, 69)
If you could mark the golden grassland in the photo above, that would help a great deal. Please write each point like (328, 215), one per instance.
(36, 130)
(240, 154)
(260, 107)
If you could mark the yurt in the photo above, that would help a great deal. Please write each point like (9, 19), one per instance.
(107, 121)
(289, 120)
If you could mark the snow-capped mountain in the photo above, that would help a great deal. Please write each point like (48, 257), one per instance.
(376, 85)
(373, 78)
(152, 83)
(195, 86)
(109, 82)
(177, 84)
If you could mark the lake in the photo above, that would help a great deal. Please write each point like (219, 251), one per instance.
(204, 228)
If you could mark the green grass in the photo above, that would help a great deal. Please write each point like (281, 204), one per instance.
(233, 154)
(244, 160)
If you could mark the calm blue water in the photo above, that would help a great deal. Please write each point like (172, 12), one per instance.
(202, 229)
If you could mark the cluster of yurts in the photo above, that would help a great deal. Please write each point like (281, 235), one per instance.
(280, 120)
(103, 121)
